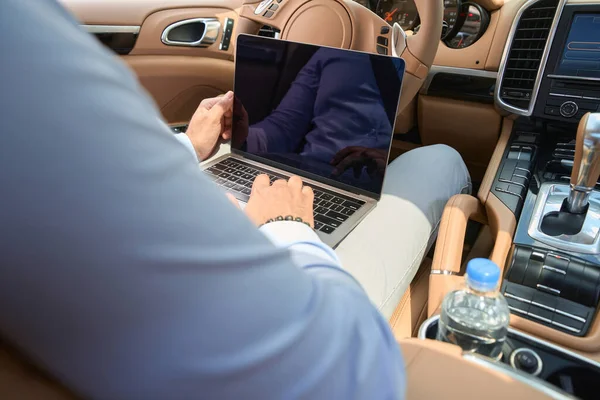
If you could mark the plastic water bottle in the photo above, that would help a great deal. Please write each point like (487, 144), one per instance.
(476, 317)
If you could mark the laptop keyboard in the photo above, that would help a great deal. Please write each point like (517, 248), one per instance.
(331, 209)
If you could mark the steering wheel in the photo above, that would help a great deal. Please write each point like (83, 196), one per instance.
(348, 25)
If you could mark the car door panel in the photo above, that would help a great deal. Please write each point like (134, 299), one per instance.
(177, 77)
(179, 83)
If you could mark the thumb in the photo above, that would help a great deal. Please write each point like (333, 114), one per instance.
(222, 106)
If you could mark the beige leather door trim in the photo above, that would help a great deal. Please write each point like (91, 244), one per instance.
(134, 12)
(179, 83)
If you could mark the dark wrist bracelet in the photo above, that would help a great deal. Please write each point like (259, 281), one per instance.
(286, 218)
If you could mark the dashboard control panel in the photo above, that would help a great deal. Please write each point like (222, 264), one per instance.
(516, 169)
(552, 289)
(570, 85)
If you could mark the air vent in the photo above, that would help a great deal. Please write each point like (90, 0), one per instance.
(268, 31)
(527, 48)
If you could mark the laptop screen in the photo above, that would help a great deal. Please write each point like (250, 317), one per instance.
(324, 113)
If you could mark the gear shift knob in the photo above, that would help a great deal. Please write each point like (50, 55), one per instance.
(586, 168)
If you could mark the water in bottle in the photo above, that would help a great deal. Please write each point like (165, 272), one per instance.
(476, 317)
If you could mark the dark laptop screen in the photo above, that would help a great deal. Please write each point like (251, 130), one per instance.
(326, 112)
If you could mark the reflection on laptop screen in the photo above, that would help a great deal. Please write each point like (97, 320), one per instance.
(326, 112)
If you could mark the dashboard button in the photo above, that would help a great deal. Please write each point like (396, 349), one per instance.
(262, 6)
(568, 109)
(554, 111)
(385, 30)
(382, 50)
(382, 40)
(526, 360)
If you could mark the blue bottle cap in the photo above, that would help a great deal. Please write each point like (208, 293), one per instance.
(482, 274)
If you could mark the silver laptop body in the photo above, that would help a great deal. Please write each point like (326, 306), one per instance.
(341, 202)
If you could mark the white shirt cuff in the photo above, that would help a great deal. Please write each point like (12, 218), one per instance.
(297, 236)
(284, 233)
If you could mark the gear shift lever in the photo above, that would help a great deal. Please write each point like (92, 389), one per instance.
(586, 168)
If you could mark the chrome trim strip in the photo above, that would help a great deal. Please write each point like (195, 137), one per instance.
(212, 29)
(540, 305)
(425, 325)
(546, 320)
(595, 364)
(436, 69)
(536, 383)
(224, 31)
(512, 296)
(569, 328)
(523, 169)
(526, 350)
(543, 60)
(398, 40)
(112, 29)
(442, 272)
(513, 183)
(518, 310)
(538, 255)
(577, 78)
(566, 314)
(559, 271)
(570, 96)
(547, 288)
(519, 176)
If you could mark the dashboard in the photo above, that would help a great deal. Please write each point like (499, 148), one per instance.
(464, 22)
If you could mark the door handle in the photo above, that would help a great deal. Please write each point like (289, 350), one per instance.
(195, 32)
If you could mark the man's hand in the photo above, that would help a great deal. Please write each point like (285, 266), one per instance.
(283, 198)
(211, 122)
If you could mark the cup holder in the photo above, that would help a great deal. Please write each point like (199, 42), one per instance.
(561, 368)
(429, 328)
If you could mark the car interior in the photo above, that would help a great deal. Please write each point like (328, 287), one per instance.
(512, 85)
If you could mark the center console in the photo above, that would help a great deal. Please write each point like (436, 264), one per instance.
(553, 271)
(550, 168)
(541, 198)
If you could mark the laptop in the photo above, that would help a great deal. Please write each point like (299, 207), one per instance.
(322, 113)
